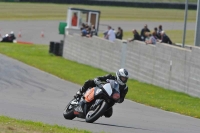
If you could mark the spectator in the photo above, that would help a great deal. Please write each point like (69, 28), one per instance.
(145, 29)
(150, 38)
(83, 32)
(114, 30)
(160, 29)
(136, 36)
(74, 20)
(86, 26)
(111, 34)
(165, 38)
(93, 31)
(105, 34)
(82, 26)
(156, 33)
(88, 32)
(119, 33)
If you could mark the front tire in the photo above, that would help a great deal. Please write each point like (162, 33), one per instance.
(68, 112)
(94, 115)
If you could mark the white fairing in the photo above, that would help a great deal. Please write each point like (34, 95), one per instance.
(108, 89)
(74, 102)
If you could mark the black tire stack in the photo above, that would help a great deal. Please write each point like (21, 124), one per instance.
(56, 48)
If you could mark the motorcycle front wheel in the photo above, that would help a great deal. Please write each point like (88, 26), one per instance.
(68, 112)
(93, 115)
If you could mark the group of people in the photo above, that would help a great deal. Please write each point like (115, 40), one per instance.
(158, 35)
(88, 31)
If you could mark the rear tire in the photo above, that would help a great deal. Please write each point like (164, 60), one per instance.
(69, 113)
(99, 113)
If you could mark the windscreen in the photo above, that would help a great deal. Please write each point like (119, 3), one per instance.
(114, 85)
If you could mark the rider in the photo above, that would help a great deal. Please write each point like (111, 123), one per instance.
(121, 77)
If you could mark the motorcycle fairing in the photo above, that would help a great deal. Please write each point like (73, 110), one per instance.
(89, 95)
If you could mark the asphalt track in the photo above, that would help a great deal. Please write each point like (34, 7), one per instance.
(31, 30)
(30, 94)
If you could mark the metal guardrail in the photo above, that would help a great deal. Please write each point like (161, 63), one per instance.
(170, 4)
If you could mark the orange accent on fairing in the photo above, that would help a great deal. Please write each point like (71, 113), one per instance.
(89, 95)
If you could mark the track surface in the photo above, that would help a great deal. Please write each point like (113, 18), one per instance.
(30, 94)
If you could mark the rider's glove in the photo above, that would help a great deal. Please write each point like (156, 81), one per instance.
(98, 83)
(107, 80)
(78, 94)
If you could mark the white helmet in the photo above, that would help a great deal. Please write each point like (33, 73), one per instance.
(122, 76)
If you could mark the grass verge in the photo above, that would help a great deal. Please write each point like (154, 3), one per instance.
(42, 11)
(38, 56)
(10, 125)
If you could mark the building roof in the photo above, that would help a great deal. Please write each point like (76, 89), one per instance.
(85, 10)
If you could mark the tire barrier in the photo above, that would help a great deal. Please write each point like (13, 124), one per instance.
(56, 48)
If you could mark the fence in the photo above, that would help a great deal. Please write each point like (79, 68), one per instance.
(162, 65)
(175, 4)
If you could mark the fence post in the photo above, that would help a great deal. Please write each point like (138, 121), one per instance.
(123, 56)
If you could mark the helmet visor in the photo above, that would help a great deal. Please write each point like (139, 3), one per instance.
(123, 79)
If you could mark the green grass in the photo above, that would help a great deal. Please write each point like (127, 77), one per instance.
(36, 11)
(175, 35)
(38, 56)
(10, 125)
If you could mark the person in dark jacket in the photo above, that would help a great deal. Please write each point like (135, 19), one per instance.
(165, 38)
(156, 36)
(119, 34)
(145, 29)
(160, 29)
(136, 36)
(121, 77)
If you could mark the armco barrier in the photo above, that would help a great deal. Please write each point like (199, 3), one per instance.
(163, 65)
(149, 4)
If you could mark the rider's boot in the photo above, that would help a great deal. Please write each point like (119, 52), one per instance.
(108, 113)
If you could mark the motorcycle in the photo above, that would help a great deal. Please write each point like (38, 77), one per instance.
(98, 101)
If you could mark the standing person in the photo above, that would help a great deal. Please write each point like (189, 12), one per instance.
(160, 29)
(111, 34)
(145, 29)
(136, 36)
(156, 36)
(119, 33)
(74, 20)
